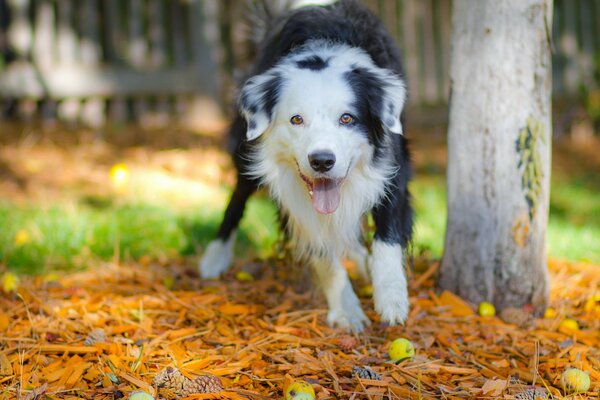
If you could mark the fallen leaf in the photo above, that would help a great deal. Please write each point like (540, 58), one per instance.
(4, 321)
(494, 387)
(458, 306)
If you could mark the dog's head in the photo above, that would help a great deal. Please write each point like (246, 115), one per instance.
(324, 110)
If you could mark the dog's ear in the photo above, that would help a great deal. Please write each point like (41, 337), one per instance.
(382, 92)
(257, 102)
(394, 97)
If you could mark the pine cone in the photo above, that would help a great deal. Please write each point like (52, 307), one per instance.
(203, 384)
(95, 336)
(366, 373)
(516, 316)
(347, 343)
(532, 394)
(171, 382)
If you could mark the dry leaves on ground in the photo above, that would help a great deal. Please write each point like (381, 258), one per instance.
(110, 331)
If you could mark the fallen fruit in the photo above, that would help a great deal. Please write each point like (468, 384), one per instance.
(244, 276)
(168, 282)
(486, 309)
(119, 175)
(300, 390)
(550, 313)
(569, 323)
(401, 349)
(22, 237)
(592, 305)
(140, 395)
(574, 380)
(10, 282)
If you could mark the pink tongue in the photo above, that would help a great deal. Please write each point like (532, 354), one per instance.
(326, 195)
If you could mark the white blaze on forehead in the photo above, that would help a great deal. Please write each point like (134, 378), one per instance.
(324, 87)
(314, 94)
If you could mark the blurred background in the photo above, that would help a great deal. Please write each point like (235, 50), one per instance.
(113, 116)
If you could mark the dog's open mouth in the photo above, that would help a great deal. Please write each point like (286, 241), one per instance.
(324, 193)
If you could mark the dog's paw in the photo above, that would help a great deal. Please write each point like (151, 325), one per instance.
(346, 312)
(391, 303)
(216, 259)
(390, 293)
(354, 320)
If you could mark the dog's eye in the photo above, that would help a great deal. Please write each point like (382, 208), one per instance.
(296, 120)
(346, 119)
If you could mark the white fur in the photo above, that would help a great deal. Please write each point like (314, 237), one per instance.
(390, 293)
(217, 257)
(320, 97)
(344, 306)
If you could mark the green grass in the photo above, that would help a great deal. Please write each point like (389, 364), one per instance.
(70, 236)
(429, 200)
(574, 225)
(66, 237)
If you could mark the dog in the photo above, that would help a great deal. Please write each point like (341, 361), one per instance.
(320, 124)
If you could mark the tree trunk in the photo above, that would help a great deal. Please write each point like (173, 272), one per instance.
(499, 142)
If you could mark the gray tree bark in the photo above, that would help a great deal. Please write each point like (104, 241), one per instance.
(499, 142)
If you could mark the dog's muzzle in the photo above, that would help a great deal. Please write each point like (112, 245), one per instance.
(325, 193)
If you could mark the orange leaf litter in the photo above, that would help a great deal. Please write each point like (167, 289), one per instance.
(260, 336)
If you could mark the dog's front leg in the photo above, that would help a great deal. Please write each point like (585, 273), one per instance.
(393, 229)
(344, 306)
(390, 293)
(218, 256)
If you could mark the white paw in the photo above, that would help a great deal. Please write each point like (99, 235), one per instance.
(344, 306)
(347, 312)
(217, 258)
(391, 303)
(354, 320)
(390, 293)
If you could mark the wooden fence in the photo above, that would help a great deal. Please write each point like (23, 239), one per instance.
(94, 61)
(98, 60)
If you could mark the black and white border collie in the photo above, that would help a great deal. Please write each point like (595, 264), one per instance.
(320, 125)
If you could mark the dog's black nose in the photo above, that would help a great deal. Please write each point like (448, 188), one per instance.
(321, 161)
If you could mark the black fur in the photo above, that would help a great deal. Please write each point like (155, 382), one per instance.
(314, 63)
(348, 22)
(368, 91)
(270, 92)
(393, 217)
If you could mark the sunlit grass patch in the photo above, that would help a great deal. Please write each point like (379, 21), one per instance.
(54, 237)
(69, 236)
(35, 238)
(574, 225)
